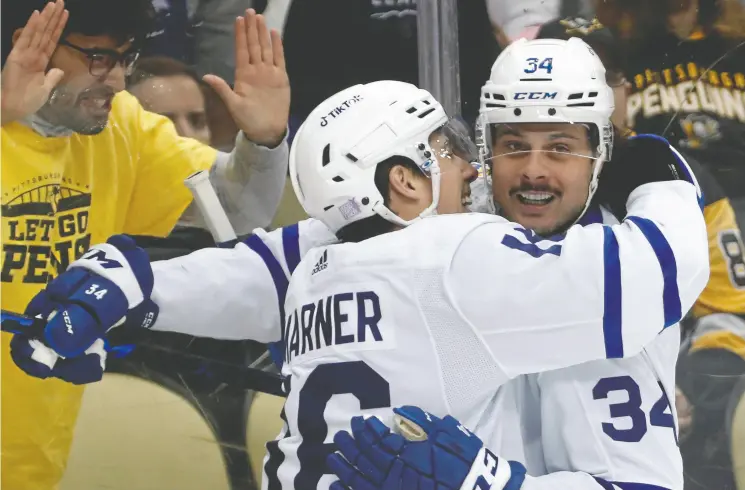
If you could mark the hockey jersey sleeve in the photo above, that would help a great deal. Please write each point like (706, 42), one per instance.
(236, 293)
(596, 292)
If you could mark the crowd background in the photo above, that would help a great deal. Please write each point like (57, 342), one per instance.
(155, 422)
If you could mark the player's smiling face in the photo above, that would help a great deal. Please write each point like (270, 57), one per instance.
(541, 173)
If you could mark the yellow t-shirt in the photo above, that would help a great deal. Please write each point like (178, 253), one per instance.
(59, 196)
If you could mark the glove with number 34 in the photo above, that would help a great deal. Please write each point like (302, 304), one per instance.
(109, 285)
(424, 453)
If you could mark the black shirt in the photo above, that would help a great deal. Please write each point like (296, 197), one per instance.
(691, 92)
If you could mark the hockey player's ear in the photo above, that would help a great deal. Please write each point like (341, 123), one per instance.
(405, 183)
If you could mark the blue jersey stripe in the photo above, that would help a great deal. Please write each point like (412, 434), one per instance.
(604, 483)
(291, 246)
(666, 258)
(612, 312)
(592, 216)
(628, 485)
(280, 284)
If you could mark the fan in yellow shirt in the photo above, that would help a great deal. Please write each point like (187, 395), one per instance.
(88, 162)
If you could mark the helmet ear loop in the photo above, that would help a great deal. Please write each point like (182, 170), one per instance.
(431, 169)
(426, 157)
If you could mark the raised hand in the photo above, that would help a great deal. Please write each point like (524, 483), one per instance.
(25, 83)
(260, 99)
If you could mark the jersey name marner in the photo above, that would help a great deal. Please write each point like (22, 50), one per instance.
(341, 318)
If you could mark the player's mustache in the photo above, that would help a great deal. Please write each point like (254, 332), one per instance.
(536, 188)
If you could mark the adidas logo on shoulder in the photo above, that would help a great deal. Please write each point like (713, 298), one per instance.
(322, 263)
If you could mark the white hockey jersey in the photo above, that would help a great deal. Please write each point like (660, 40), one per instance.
(406, 310)
(607, 424)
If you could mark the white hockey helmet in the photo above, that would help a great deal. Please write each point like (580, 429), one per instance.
(336, 150)
(548, 81)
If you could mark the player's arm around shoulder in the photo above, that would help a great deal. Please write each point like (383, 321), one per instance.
(219, 293)
(215, 291)
(610, 289)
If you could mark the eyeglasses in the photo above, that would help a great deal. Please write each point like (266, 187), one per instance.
(615, 78)
(102, 61)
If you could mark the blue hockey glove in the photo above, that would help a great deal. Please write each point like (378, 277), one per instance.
(108, 286)
(427, 453)
(39, 361)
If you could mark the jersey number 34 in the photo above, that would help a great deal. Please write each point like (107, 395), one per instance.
(659, 416)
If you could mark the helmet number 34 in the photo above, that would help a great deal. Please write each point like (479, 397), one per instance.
(534, 65)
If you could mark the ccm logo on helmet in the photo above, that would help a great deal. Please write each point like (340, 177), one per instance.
(535, 95)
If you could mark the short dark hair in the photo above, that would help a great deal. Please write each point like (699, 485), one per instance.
(377, 225)
(160, 66)
(123, 20)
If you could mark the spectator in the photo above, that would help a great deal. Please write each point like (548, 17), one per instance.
(333, 44)
(170, 88)
(687, 69)
(88, 162)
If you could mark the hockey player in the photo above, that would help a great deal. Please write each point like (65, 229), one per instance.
(356, 315)
(714, 331)
(624, 407)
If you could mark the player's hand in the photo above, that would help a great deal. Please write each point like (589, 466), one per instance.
(109, 285)
(426, 453)
(260, 99)
(643, 159)
(26, 83)
(38, 360)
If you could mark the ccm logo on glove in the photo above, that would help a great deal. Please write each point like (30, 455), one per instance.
(99, 256)
(68, 322)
